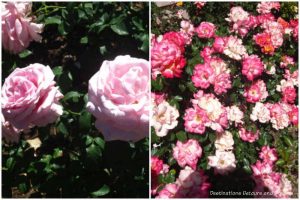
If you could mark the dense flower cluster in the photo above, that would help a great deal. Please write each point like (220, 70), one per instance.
(236, 94)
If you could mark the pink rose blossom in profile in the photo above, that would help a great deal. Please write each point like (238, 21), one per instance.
(167, 59)
(248, 136)
(293, 115)
(257, 92)
(164, 118)
(234, 48)
(266, 7)
(219, 44)
(286, 60)
(194, 120)
(118, 97)
(260, 113)
(206, 30)
(30, 97)
(187, 153)
(252, 67)
(268, 155)
(203, 75)
(295, 25)
(223, 162)
(156, 165)
(18, 29)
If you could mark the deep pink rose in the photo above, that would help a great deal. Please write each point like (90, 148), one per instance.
(30, 97)
(18, 30)
(118, 97)
(206, 30)
(219, 44)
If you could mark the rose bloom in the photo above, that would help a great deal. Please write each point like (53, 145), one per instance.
(279, 116)
(268, 155)
(206, 53)
(266, 7)
(192, 184)
(248, 136)
(234, 114)
(164, 118)
(256, 92)
(156, 165)
(9, 132)
(224, 141)
(291, 76)
(30, 97)
(252, 67)
(223, 162)
(206, 30)
(118, 97)
(203, 75)
(293, 115)
(169, 191)
(195, 119)
(219, 44)
(199, 4)
(167, 59)
(234, 48)
(236, 14)
(261, 113)
(176, 38)
(289, 95)
(187, 153)
(264, 18)
(261, 168)
(222, 83)
(18, 30)
(286, 60)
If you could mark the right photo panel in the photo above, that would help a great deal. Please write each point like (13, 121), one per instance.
(224, 90)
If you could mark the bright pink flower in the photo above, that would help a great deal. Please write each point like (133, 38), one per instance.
(176, 38)
(199, 4)
(30, 97)
(279, 116)
(286, 60)
(156, 165)
(295, 25)
(219, 44)
(252, 67)
(293, 115)
(248, 136)
(291, 76)
(266, 7)
(261, 168)
(194, 120)
(203, 75)
(18, 30)
(256, 92)
(187, 153)
(268, 155)
(289, 94)
(263, 18)
(206, 53)
(167, 59)
(222, 83)
(206, 30)
(118, 97)
(169, 191)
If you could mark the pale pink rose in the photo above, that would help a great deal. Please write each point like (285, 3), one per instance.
(219, 67)
(167, 59)
(268, 154)
(286, 60)
(194, 120)
(118, 97)
(279, 116)
(206, 53)
(222, 83)
(224, 141)
(261, 113)
(192, 184)
(235, 115)
(9, 132)
(219, 44)
(260, 168)
(223, 162)
(187, 153)
(206, 30)
(30, 98)
(169, 191)
(252, 67)
(203, 75)
(286, 189)
(248, 136)
(187, 27)
(236, 14)
(18, 30)
(291, 76)
(266, 7)
(164, 118)
(256, 92)
(234, 48)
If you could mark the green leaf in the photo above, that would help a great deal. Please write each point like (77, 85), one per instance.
(10, 163)
(120, 28)
(62, 128)
(72, 94)
(181, 135)
(23, 187)
(99, 141)
(94, 152)
(102, 49)
(53, 20)
(25, 53)
(101, 192)
(84, 40)
(57, 153)
(85, 121)
(88, 140)
(57, 71)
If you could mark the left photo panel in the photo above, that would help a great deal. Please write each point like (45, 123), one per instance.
(75, 99)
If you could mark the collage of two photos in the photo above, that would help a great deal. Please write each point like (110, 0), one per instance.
(149, 99)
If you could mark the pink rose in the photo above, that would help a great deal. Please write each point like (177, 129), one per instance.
(187, 153)
(195, 119)
(248, 136)
(256, 92)
(119, 98)
(206, 53)
(206, 30)
(289, 94)
(260, 168)
(252, 67)
(30, 98)
(18, 30)
(9, 133)
(203, 75)
(268, 154)
(219, 44)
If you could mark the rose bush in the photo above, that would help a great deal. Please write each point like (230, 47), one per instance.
(236, 134)
(51, 147)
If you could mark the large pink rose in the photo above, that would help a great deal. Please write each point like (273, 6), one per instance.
(119, 98)
(18, 30)
(30, 97)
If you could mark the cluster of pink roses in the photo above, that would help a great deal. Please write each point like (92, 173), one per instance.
(264, 176)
